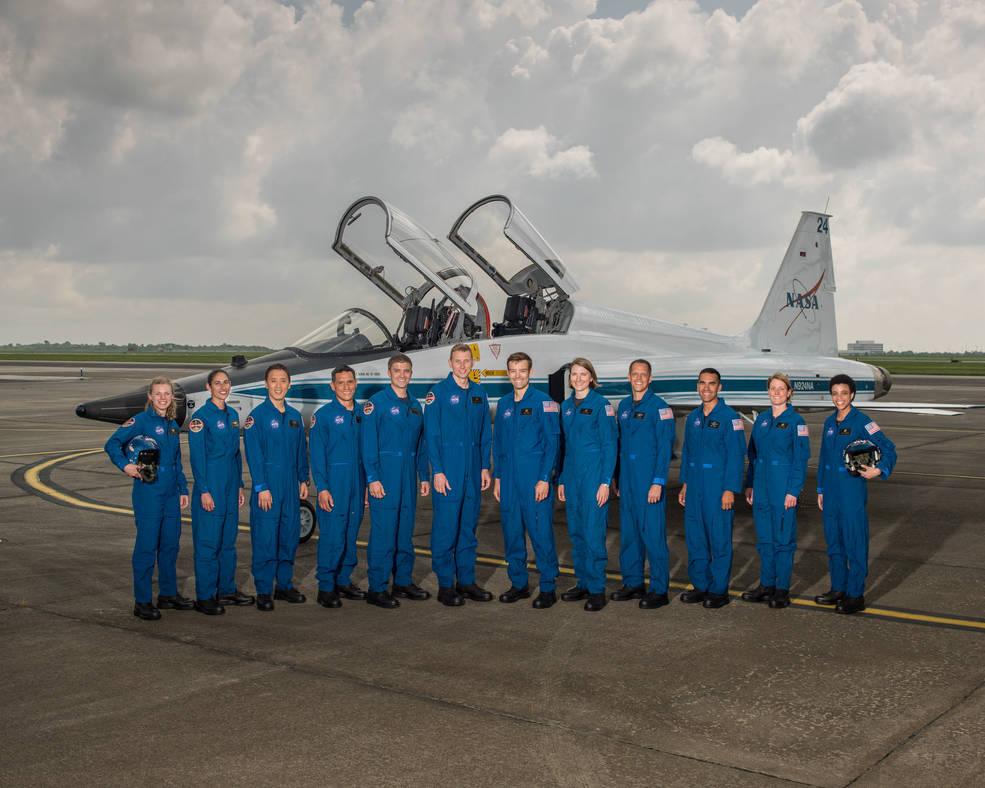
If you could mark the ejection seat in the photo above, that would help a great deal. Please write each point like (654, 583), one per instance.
(519, 317)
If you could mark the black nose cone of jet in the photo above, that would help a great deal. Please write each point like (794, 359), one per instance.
(118, 409)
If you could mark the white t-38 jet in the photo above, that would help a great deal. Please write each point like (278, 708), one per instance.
(530, 305)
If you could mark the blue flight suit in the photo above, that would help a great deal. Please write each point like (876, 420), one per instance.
(277, 453)
(217, 468)
(846, 523)
(458, 432)
(525, 447)
(336, 466)
(393, 453)
(646, 438)
(779, 448)
(156, 508)
(711, 462)
(590, 439)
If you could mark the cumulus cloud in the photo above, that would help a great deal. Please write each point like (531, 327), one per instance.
(204, 149)
(539, 154)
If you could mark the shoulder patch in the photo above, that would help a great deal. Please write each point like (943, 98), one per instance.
(196, 425)
(313, 419)
(802, 431)
(872, 428)
(248, 423)
(737, 425)
(550, 406)
(609, 410)
(128, 423)
(429, 398)
(368, 408)
(666, 413)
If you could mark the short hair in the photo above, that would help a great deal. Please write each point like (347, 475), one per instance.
(784, 379)
(215, 372)
(514, 358)
(398, 358)
(711, 371)
(644, 362)
(342, 369)
(276, 368)
(460, 347)
(584, 362)
(842, 378)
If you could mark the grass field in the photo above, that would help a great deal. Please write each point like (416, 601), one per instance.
(178, 357)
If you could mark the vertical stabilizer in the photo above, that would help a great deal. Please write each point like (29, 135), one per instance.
(799, 313)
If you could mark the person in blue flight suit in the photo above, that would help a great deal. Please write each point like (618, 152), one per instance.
(277, 453)
(646, 438)
(217, 468)
(590, 442)
(842, 497)
(341, 483)
(394, 457)
(458, 433)
(779, 449)
(156, 505)
(712, 462)
(525, 447)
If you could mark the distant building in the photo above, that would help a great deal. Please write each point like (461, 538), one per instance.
(865, 346)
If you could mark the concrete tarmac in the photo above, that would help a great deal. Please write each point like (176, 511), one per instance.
(488, 694)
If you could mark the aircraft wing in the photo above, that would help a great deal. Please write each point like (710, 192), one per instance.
(683, 404)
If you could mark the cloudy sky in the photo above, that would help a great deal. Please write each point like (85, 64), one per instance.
(176, 170)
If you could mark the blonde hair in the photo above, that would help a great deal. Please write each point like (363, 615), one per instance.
(172, 410)
(584, 362)
(784, 379)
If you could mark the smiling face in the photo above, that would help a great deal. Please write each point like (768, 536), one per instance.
(639, 379)
(400, 372)
(841, 396)
(219, 388)
(461, 365)
(779, 393)
(160, 398)
(708, 387)
(344, 386)
(278, 382)
(581, 380)
(519, 372)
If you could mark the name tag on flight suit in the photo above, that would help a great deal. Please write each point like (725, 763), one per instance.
(713, 425)
(526, 411)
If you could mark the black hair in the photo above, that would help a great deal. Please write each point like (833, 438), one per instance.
(276, 368)
(215, 372)
(842, 378)
(711, 371)
(341, 369)
(644, 362)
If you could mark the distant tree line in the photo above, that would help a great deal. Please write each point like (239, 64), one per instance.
(130, 347)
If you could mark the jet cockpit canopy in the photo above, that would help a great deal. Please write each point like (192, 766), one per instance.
(438, 298)
(496, 235)
(354, 331)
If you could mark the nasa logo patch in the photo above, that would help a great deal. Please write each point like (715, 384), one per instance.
(454, 399)
(568, 412)
(159, 429)
(340, 419)
(624, 414)
(507, 413)
(368, 408)
(248, 423)
(195, 425)
(274, 424)
(395, 411)
(220, 424)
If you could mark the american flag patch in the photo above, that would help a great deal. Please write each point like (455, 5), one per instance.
(872, 428)
(666, 413)
(737, 425)
(802, 431)
(551, 407)
(609, 411)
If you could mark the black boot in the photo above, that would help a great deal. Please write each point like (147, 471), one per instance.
(544, 600)
(329, 599)
(176, 602)
(595, 602)
(626, 593)
(653, 600)
(450, 597)
(382, 599)
(829, 598)
(291, 595)
(411, 591)
(575, 594)
(715, 601)
(514, 594)
(209, 606)
(264, 603)
(693, 597)
(474, 592)
(351, 591)
(236, 599)
(760, 593)
(146, 611)
(851, 604)
(780, 599)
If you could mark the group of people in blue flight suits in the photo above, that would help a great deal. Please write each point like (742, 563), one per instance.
(387, 451)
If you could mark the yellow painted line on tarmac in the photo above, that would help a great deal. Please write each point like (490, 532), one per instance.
(37, 453)
(939, 475)
(33, 479)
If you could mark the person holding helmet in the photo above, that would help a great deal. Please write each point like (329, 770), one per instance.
(779, 448)
(157, 498)
(277, 453)
(842, 494)
(590, 439)
(217, 468)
